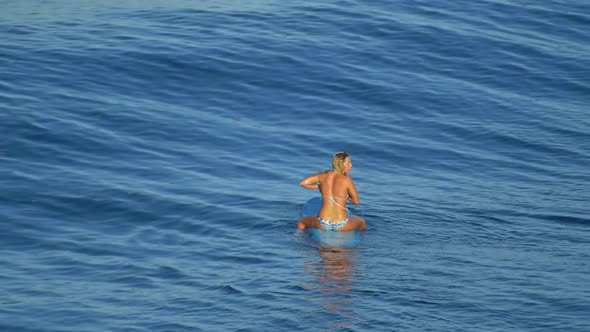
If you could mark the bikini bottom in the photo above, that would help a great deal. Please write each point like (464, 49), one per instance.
(332, 226)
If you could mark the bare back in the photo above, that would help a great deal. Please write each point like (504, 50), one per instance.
(336, 189)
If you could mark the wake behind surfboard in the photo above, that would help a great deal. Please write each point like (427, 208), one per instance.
(329, 238)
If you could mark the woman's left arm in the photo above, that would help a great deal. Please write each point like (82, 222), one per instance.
(311, 182)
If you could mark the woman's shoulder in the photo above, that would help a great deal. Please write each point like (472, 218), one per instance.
(335, 175)
(342, 177)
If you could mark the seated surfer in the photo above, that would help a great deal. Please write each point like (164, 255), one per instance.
(337, 188)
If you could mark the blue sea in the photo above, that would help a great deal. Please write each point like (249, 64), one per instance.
(150, 155)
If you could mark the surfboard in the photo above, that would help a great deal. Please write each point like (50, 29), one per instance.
(327, 238)
(312, 207)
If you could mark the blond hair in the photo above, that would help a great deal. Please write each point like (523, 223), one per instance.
(338, 161)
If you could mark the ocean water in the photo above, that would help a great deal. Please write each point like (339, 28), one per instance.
(150, 154)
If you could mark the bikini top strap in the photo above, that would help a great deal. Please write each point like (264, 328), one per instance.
(332, 201)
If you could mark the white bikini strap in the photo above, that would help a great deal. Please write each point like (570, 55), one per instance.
(332, 201)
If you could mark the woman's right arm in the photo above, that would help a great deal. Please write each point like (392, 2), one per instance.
(353, 195)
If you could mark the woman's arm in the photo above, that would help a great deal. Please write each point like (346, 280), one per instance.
(353, 195)
(311, 182)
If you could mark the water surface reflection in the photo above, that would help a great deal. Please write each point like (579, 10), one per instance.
(334, 273)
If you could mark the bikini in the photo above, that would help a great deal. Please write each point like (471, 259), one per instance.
(331, 225)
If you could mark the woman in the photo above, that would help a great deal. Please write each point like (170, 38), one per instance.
(336, 188)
